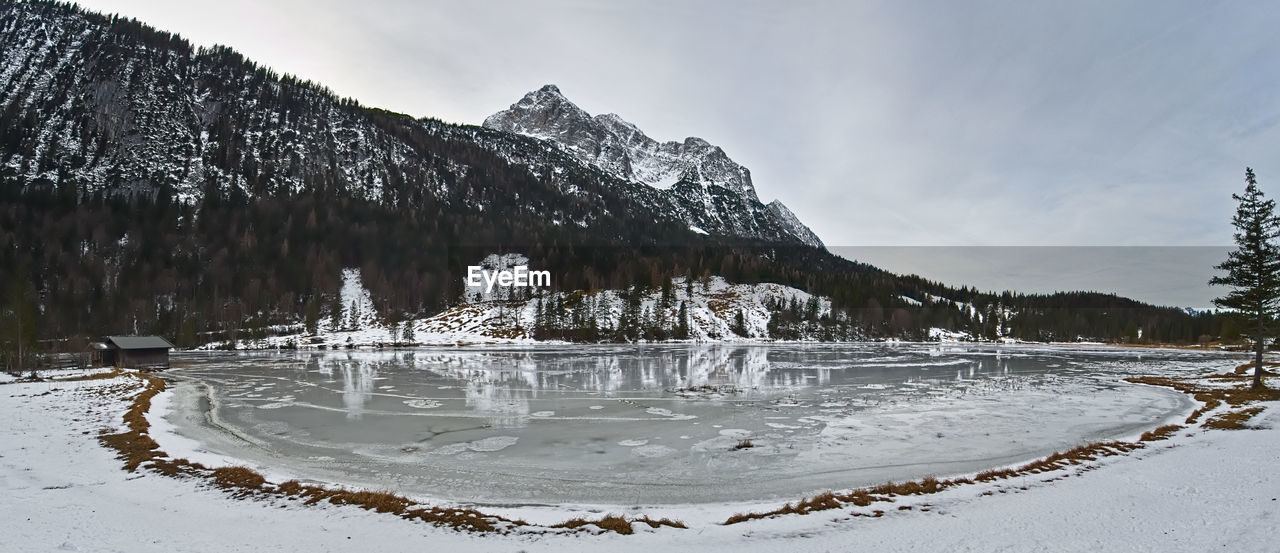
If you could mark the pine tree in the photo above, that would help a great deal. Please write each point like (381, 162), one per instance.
(668, 299)
(1253, 268)
(17, 323)
(559, 316)
(593, 326)
(335, 313)
(311, 319)
(682, 325)
(539, 317)
(604, 313)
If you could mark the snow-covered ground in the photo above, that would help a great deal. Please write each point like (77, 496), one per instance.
(491, 317)
(1199, 491)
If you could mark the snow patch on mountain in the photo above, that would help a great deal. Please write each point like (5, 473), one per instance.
(358, 310)
(616, 146)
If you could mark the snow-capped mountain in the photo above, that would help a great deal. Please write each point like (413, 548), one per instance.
(617, 146)
(717, 193)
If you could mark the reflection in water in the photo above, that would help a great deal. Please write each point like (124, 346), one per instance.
(612, 370)
(504, 407)
(499, 385)
(357, 384)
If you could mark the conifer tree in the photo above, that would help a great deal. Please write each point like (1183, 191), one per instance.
(311, 318)
(539, 318)
(335, 313)
(1253, 268)
(17, 322)
(682, 325)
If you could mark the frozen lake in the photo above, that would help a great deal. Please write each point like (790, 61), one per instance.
(657, 424)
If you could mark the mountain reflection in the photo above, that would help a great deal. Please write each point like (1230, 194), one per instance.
(501, 385)
(616, 369)
(357, 383)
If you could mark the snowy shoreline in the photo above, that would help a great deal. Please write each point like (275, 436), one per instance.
(204, 437)
(1123, 501)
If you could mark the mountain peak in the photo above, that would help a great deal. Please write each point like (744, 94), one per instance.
(616, 146)
(544, 113)
(548, 93)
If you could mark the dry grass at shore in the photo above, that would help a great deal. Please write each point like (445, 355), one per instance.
(931, 485)
(134, 446)
(1243, 368)
(1233, 420)
(619, 524)
(1213, 397)
(1162, 433)
(242, 479)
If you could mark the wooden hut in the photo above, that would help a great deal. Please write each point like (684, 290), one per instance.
(135, 352)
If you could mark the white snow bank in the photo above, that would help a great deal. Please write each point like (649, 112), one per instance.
(65, 492)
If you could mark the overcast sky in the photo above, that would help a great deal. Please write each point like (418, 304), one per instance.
(878, 123)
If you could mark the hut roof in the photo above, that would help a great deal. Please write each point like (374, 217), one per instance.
(139, 342)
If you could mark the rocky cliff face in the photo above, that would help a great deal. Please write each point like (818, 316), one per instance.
(792, 223)
(712, 192)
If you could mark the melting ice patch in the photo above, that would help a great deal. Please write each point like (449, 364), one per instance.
(496, 443)
(667, 413)
(651, 451)
(487, 445)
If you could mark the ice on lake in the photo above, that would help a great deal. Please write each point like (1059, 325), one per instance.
(658, 424)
